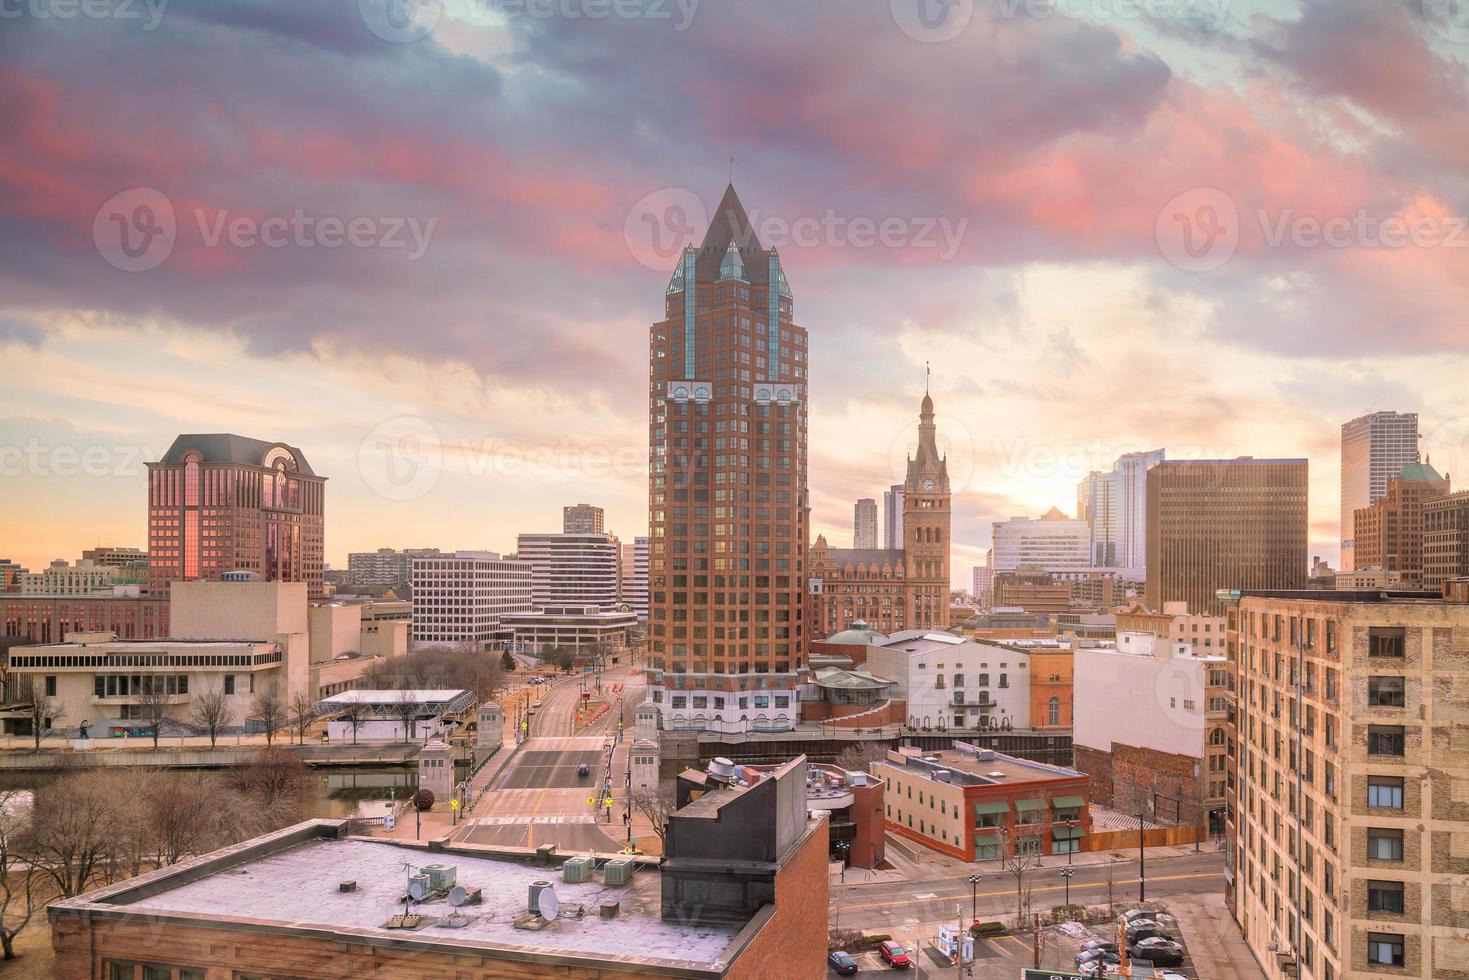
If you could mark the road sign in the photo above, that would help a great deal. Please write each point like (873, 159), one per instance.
(453, 804)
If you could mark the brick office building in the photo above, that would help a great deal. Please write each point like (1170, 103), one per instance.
(1388, 533)
(893, 589)
(975, 804)
(727, 503)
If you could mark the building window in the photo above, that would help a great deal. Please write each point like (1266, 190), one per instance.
(986, 852)
(229, 683)
(1385, 740)
(1385, 792)
(1385, 896)
(50, 685)
(1053, 712)
(1385, 692)
(1384, 844)
(1385, 641)
(1384, 949)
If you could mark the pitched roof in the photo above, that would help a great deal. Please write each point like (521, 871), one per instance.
(730, 223)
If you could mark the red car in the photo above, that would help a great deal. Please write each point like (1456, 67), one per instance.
(894, 955)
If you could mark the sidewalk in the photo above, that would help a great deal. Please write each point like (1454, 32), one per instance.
(912, 862)
(1214, 940)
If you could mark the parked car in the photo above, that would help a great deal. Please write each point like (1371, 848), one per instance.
(1146, 932)
(1099, 944)
(1088, 958)
(894, 955)
(842, 962)
(1132, 914)
(1159, 952)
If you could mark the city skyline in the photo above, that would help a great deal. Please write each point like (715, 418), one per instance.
(1056, 299)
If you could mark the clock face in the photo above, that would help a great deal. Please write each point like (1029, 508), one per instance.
(927, 486)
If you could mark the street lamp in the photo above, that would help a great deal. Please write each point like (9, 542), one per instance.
(1067, 873)
(974, 881)
(1070, 847)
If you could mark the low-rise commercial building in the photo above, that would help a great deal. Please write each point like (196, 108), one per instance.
(950, 682)
(977, 805)
(741, 893)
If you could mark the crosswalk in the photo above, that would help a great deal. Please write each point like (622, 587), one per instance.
(508, 821)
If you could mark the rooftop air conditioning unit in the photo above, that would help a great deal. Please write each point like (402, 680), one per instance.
(995, 775)
(440, 876)
(618, 871)
(578, 870)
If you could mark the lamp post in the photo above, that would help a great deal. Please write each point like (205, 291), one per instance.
(1067, 873)
(1142, 862)
(974, 881)
(1071, 846)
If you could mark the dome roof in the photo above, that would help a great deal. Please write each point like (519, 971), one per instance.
(858, 633)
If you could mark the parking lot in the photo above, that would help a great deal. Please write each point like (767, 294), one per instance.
(1007, 956)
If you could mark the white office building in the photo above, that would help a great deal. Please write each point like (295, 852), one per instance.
(864, 523)
(1114, 505)
(634, 589)
(1374, 449)
(892, 517)
(462, 598)
(951, 682)
(571, 569)
(1052, 542)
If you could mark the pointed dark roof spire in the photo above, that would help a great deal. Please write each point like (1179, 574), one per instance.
(730, 223)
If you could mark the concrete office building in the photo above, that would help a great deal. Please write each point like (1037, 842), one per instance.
(864, 523)
(634, 586)
(1150, 728)
(571, 569)
(583, 519)
(85, 578)
(463, 598)
(728, 510)
(1224, 524)
(892, 516)
(1348, 796)
(1388, 532)
(220, 504)
(1052, 542)
(1374, 449)
(385, 568)
(1445, 540)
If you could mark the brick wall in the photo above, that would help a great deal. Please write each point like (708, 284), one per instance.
(1166, 786)
(1097, 764)
(793, 942)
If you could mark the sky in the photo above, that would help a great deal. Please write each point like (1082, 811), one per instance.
(424, 242)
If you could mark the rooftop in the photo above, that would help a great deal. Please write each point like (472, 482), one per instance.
(970, 765)
(295, 888)
(226, 447)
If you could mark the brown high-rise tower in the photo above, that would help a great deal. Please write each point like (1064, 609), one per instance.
(727, 506)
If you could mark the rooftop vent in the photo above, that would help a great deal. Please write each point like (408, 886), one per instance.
(440, 876)
(618, 871)
(995, 775)
(722, 768)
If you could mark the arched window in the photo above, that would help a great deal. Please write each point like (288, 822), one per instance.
(1053, 712)
(1216, 736)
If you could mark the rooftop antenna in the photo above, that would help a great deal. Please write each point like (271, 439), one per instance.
(927, 375)
(731, 169)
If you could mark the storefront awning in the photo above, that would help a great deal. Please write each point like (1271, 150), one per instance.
(1068, 802)
(1066, 833)
(1027, 805)
(984, 809)
(982, 837)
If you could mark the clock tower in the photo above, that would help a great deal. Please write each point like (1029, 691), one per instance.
(926, 528)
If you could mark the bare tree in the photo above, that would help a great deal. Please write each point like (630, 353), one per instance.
(74, 835)
(861, 756)
(303, 713)
(153, 704)
(179, 808)
(44, 711)
(270, 708)
(1020, 853)
(18, 899)
(657, 805)
(406, 709)
(277, 787)
(354, 713)
(212, 712)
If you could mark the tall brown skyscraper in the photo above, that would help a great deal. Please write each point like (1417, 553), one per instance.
(1224, 524)
(222, 503)
(727, 503)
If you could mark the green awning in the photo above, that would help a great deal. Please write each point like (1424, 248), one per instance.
(1027, 805)
(986, 837)
(1066, 833)
(982, 809)
(1068, 802)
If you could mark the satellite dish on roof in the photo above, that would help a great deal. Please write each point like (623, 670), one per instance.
(550, 905)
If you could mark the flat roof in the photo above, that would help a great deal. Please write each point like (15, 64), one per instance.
(296, 888)
(982, 767)
(425, 696)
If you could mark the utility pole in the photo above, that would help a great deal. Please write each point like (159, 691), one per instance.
(1035, 938)
(1142, 862)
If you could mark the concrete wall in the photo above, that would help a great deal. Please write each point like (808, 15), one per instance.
(1140, 699)
(236, 610)
(335, 630)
